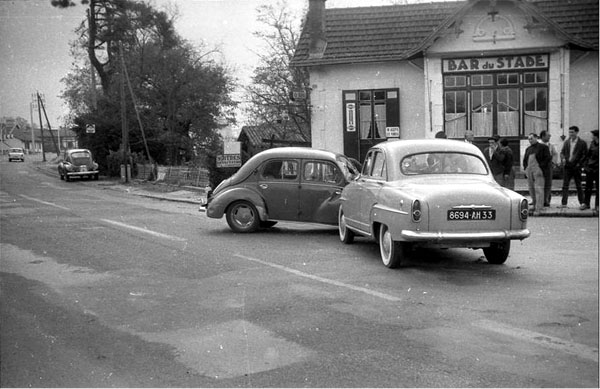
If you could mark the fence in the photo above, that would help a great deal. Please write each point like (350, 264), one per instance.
(176, 175)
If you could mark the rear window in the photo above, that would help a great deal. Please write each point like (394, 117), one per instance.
(442, 163)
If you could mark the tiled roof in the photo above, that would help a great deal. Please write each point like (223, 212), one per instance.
(370, 34)
(256, 134)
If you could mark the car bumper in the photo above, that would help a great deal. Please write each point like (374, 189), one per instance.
(86, 173)
(488, 236)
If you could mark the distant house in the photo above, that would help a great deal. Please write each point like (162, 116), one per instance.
(494, 67)
(18, 133)
(255, 139)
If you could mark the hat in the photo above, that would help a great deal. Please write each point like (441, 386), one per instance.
(595, 132)
(495, 138)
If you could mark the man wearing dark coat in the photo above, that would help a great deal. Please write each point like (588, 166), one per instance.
(572, 156)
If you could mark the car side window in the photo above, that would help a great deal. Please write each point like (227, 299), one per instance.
(321, 172)
(379, 166)
(368, 164)
(280, 170)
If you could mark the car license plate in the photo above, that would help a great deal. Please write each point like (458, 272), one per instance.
(472, 214)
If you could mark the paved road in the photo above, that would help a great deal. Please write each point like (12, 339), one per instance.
(102, 288)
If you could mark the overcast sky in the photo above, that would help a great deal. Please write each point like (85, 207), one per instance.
(34, 43)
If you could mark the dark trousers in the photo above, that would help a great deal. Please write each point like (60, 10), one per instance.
(591, 181)
(572, 172)
(547, 185)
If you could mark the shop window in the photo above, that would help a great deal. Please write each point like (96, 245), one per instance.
(455, 113)
(536, 110)
(508, 112)
(455, 81)
(482, 112)
(482, 80)
(508, 78)
(536, 78)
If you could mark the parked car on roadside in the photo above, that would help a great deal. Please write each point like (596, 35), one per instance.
(431, 193)
(77, 163)
(288, 183)
(16, 153)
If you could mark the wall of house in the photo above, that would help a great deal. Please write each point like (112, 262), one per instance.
(328, 82)
(583, 93)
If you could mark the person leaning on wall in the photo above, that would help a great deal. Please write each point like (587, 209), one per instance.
(591, 173)
(508, 174)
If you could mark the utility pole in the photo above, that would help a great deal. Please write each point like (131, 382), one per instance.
(125, 175)
(32, 105)
(41, 126)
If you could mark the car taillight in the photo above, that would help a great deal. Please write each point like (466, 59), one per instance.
(524, 211)
(416, 211)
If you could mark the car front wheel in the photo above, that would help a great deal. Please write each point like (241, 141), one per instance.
(391, 251)
(346, 236)
(497, 252)
(242, 216)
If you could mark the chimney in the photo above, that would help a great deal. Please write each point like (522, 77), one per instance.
(316, 28)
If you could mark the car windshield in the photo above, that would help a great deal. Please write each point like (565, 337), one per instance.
(442, 163)
(80, 158)
(16, 150)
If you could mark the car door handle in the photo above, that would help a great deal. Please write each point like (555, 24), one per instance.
(263, 186)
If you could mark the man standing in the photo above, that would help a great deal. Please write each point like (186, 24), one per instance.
(591, 172)
(545, 139)
(572, 157)
(495, 158)
(536, 160)
(508, 179)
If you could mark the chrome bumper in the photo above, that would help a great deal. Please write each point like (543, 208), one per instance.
(416, 236)
(86, 173)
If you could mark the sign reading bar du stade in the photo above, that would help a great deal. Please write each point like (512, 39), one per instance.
(229, 160)
(511, 62)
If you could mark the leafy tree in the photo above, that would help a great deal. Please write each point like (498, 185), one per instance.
(274, 81)
(179, 91)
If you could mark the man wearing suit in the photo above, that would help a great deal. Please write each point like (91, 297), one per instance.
(573, 156)
(495, 158)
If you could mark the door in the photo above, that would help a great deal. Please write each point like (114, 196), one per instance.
(320, 189)
(278, 183)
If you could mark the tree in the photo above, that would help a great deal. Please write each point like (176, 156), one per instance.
(179, 92)
(274, 81)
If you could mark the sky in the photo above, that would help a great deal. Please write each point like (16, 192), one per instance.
(35, 52)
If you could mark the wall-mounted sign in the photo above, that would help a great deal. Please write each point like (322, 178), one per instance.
(392, 132)
(350, 117)
(229, 160)
(509, 62)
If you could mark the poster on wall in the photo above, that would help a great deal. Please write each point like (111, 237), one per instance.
(350, 117)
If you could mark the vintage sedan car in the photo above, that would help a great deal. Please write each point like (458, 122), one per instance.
(16, 153)
(77, 163)
(287, 183)
(431, 193)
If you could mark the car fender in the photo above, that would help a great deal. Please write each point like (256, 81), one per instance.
(218, 204)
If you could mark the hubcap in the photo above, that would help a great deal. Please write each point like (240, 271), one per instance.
(243, 216)
(386, 246)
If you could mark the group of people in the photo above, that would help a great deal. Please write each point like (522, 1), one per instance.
(539, 161)
(575, 156)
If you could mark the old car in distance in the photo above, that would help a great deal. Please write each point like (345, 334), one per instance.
(434, 193)
(16, 153)
(288, 183)
(77, 163)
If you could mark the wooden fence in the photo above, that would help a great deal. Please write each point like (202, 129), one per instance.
(176, 175)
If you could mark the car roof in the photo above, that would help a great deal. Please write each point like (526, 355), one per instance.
(78, 151)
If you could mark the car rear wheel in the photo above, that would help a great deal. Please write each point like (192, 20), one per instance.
(391, 251)
(242, 216)
(497, 252)
(346, 236)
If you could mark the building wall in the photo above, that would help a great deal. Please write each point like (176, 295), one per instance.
(583, 93)
(328, 82)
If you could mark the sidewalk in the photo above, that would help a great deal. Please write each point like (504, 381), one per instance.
(197, 196)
